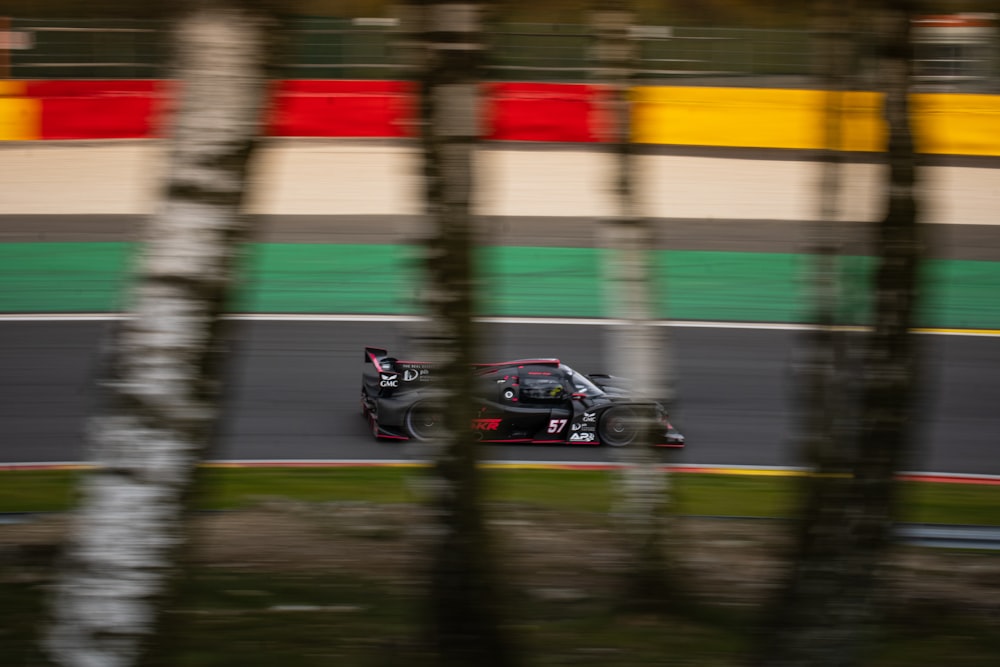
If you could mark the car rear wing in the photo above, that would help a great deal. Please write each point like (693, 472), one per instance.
(385, 375)
(374, 355)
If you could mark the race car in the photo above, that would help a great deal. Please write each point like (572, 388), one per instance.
(539, 401)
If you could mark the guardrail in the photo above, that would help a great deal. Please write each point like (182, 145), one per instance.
(949, 536)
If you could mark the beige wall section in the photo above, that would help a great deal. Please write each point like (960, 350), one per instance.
(524, 182)
(326, 177)
(963, 195)
(78, 177)
(364, 178)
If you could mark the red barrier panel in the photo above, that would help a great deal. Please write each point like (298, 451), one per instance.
(77, 88)
(126, 109)
(324, 108)
(546, 112)
(101, 117)
(317, 108)
(513, 111)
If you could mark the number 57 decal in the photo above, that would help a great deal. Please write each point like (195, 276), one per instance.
(556, 425)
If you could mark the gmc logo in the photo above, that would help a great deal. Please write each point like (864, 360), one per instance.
(388, 380)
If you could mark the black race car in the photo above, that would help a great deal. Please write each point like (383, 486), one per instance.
(523, 401)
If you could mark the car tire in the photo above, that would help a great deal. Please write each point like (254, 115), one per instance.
(423, 422)
(619, 427)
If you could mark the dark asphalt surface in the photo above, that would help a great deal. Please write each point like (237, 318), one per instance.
(295, 386)
(975, 242)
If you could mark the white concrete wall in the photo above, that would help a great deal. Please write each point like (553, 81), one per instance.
(355, 177)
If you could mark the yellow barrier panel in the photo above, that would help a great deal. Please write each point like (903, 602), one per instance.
(751, 118)
(11, 88)
(958, 124)
(19, 116)
(766, 118)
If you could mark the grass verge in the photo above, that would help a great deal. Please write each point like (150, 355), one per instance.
(571, 490)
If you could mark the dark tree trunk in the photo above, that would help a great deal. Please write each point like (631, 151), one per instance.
(891, 368)
(464, 625)
(828, 609)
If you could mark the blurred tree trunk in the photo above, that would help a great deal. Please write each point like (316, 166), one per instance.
(637, 348)
(891, 361)
(827, 612)
(464, 624)
(163, 387)
(812, 585)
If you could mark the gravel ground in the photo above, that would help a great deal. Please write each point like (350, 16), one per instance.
(546, 554)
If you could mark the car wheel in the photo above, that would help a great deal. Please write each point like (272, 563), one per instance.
(618, 427)
(423, 422)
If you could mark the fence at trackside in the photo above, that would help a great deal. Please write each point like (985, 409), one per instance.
(952, 52)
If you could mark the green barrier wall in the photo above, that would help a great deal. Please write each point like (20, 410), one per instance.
(517, 281)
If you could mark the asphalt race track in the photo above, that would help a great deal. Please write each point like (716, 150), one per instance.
(294, 391)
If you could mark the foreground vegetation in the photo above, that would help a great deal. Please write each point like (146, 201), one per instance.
(315, 565)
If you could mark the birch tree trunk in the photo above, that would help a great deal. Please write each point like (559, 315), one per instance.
(637, 348)
(464, 625)
(829, 610)
(163, 389)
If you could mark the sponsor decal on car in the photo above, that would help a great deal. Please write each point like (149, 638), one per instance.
(388, 380)
(486, 424)
(582, 437)
(556, 425)
(589, 418)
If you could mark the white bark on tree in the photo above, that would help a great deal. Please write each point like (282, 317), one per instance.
(637, 347)
(163, 383)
